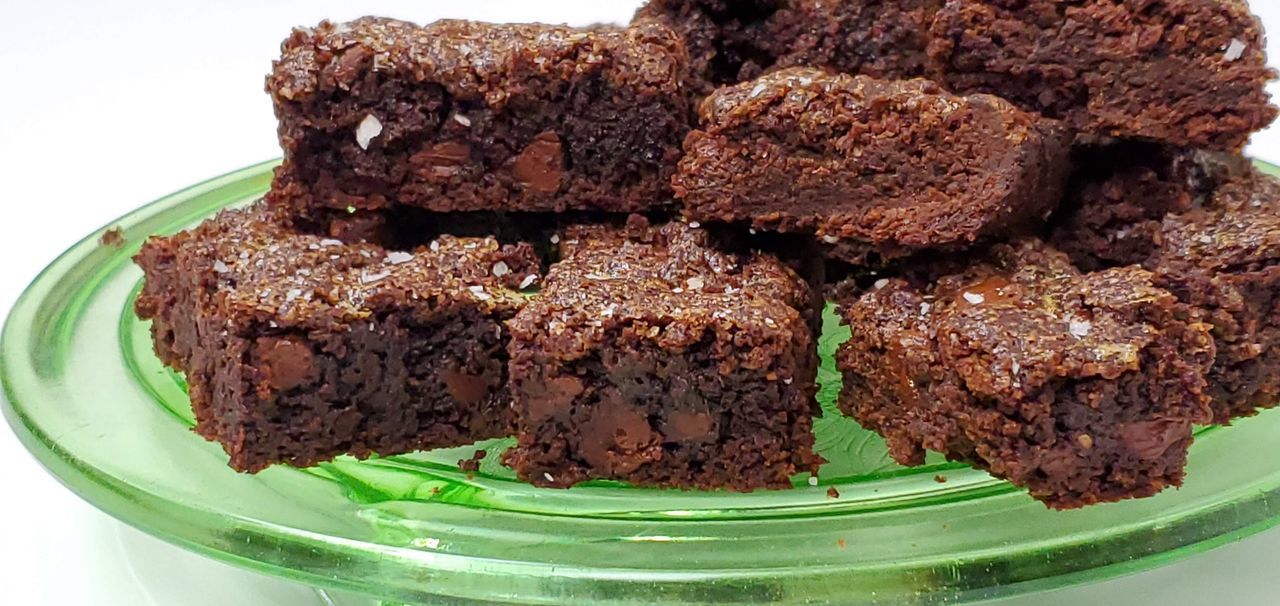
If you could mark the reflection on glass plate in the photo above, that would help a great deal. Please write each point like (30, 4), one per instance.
(86, 395)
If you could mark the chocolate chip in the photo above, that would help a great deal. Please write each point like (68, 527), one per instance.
(539, 166)
(618, 438)
(284, 362)
(552, 396)
(1151, 439)
(465, 388)
(349, 65)
(689, 426)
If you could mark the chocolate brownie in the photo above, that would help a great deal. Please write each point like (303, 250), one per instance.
(1120, 192)
(651, 358)
(1207, 225)
(873, 168)
(1082, 388)
(298, 348)
(1184, 72)
(465, 116)
(1224, 257)
(730, 42)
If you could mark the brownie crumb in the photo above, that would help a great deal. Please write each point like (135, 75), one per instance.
(941, 479)
(113, 237)
(473, 464)
(833, 493)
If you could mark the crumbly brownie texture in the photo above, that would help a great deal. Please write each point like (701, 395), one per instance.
(1184, 72)
(1120, 193)
(461, 116)
(298, 348)
(1082, 388)
(873, 168)
(730, 42)
(1225, 258)
(653, 359)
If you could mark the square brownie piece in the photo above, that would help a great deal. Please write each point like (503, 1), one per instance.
(732, 41)
(1082, 388)
(652, 358)
(1120, 192)
(298, 348)
(1208, 226)
(1224, 258)
(1182, 72)
(873, 168)
(465, 116)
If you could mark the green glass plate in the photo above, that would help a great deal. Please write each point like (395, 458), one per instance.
(85, 394)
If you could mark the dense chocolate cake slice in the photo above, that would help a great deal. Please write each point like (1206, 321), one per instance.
(1082, 388)
(298, 348)
(1183, 72)
(652, 358)
(873, 168)
(466, 116)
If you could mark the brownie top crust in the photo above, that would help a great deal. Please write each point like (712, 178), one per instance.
(264, 273)
(665, 284)
(472, 59)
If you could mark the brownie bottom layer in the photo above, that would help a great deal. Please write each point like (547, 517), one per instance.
(660, 419)
(385, 386)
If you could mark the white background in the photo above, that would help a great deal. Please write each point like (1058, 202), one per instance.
(106, 106)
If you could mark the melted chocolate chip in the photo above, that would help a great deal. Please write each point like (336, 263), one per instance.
(539, 166)
(284, 362)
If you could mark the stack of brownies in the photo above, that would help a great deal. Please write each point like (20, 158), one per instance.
(614, 243)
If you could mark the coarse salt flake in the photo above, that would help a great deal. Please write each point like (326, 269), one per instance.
(813, 480)
(369, 128)
(398, 257)
(974, 298)
(695, 224)
(881, 283)
(479, 292)
(220, 267)
(435, 246)
(500, 269)
(461, 119)
(694, 283)
(1079, 328)
(830, 239)
(330, 242)
(555, 238)
(366, 277)
(528, 281)
(1235, 50)
(548, 476)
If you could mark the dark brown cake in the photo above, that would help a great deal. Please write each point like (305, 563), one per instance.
(298, 349)
(1208, 226)
(653, 359)
(1225, 259)
(1083, 388)
(1120, 193)
(464, 116)
(874, 168)
(1184, 72)
(733, 41)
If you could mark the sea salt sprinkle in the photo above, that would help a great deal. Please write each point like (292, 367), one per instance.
(974, 298)
(1079, 328)
(368, 129)
(397, 257)
(461, 119)
(528, 281)
(1235, 50)
(500, 269)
